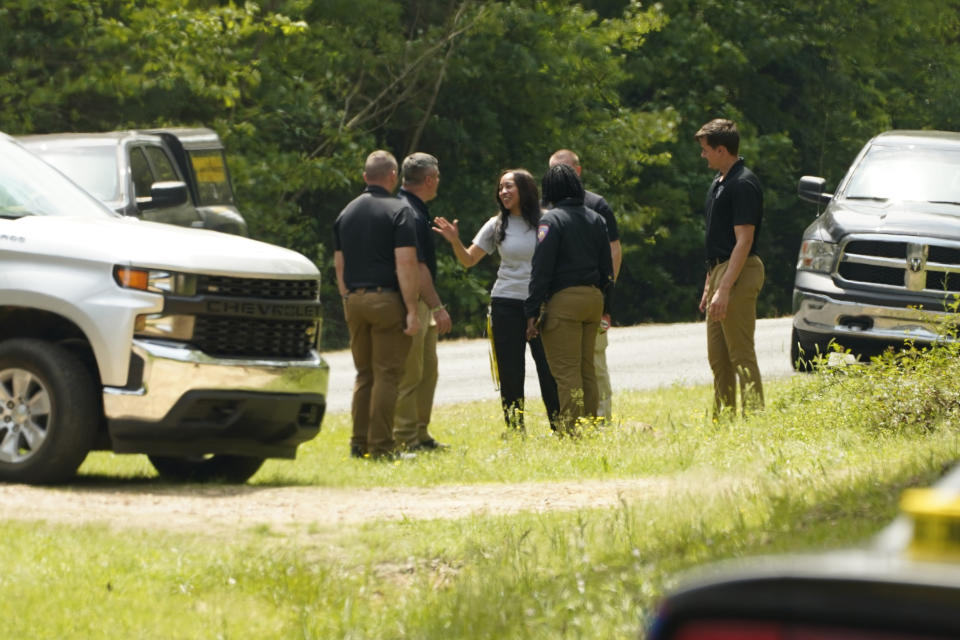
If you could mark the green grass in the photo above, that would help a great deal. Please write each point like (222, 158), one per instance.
(822, 468)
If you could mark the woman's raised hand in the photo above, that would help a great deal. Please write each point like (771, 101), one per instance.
(449, 230)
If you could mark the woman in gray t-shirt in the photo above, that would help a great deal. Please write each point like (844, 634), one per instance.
(513, 234)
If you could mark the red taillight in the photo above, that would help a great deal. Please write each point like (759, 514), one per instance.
(729, 630)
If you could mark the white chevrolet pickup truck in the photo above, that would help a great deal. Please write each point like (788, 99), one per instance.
(194, 347)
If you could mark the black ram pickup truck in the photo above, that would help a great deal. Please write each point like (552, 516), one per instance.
(881, 265)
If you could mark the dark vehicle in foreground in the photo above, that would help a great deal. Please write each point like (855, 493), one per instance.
(177, 176)
(881, 265)
(907, 585)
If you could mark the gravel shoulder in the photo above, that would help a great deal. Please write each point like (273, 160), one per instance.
(224, 509)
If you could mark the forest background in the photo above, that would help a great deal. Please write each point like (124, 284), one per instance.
(302, 90)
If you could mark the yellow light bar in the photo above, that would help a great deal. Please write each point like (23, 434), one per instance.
(936, 523)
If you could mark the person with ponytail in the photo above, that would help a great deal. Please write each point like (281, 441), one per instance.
(571, 286)
(513, 234)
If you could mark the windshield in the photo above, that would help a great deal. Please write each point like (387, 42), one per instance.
(213, 184)
(31, 187)
(919, 175)
(93, 168)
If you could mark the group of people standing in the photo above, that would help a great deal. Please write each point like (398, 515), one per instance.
(560, 254)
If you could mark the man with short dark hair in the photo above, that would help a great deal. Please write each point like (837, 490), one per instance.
(734, 212)
(376, 263)
(596, 202)
(421, 180)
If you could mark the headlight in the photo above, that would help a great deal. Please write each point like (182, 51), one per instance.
(817, 255)
(152, 280)
(159, 325)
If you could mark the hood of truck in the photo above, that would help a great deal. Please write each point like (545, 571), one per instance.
(130, 241)
(915, 219)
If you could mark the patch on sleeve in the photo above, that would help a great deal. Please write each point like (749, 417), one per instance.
(542, 232)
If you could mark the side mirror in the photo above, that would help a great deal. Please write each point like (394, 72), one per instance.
(166, 194)
(812, 189)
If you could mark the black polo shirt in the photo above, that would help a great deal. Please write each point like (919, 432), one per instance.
(573, 249)
(426, 249)
(367, 231)
(596, 202)
(736, 200)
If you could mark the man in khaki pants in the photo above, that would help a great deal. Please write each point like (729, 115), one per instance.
(421, 180)
(376, 263)
(734, 213)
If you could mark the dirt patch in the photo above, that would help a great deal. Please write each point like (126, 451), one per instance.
(223, 509)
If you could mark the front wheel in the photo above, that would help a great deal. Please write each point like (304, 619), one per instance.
(223, 468)
(48, 411)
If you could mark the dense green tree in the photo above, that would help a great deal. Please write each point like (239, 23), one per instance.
(809, 82)
(302, 90)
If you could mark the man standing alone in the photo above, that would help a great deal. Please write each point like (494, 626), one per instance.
(421, 180)
(734, 212)
(376, 263)
(596, 202)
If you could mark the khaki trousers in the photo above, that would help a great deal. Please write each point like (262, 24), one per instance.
(572, 321)
(379, 347)
(730, 346)
(604, 389)
(417, 386)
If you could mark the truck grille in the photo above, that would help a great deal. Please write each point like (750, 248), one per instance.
(257, 288)
(255, 337)
(913, 266)
(243, 337)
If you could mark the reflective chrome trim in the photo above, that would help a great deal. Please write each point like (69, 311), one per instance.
(171, 370)
(817, 313)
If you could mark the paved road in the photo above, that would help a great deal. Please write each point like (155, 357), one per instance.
(641, 357)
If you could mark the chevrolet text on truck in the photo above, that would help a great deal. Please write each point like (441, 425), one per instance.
(194, 347)
(881, 265)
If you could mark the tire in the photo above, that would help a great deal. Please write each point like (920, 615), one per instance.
(223, 468)
(49, 412)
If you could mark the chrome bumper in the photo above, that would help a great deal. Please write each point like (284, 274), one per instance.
(816, 313)
(170, 372)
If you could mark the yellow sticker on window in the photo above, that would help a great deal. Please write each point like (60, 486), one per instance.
(209, 168)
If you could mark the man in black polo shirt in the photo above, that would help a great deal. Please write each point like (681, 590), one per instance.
(597, 202)
(376, 263)
(421, 180)
(734, 212)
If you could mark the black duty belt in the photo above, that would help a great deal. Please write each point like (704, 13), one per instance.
(374, 290)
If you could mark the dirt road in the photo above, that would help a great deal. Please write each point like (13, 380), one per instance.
(221, 510)
(642, 357)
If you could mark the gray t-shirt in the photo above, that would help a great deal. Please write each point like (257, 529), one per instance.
(516, 252)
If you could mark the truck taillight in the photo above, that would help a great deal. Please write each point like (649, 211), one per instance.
(778, 630)
(729, 630)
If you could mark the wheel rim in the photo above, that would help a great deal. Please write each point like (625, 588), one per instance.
(24, 414)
